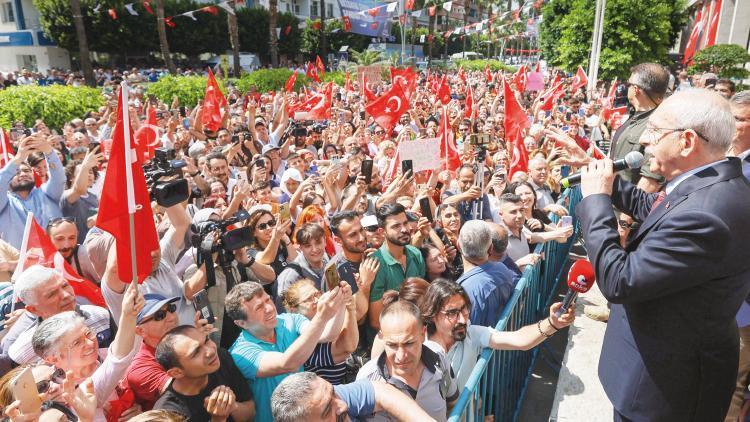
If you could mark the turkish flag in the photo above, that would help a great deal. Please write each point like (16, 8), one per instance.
(462, 74)
(311, 72)
(348, 83)
(147, 136)
(389, 107)
(147, 5)
(369, 95)
(6, 149)
(374, 11)
(548, 98)
(289, 85)
(213, 101)
(579, 80)
(487, 73)
(317, 107)
(37, 249)
(409, 5)
(431, 10)
(347, 23)
(515, 122)
(210, 9)
(406, 77)
(609, 113)
(520, 78)
(125, 194)
(469, 111)
(320, 66)
(538, 67)
(444, 91)
(449, 156)
(112, 14)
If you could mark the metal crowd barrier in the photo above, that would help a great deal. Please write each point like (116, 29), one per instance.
(497, 384)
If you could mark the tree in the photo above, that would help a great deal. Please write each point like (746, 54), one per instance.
(366, 57)
(635, 31)
(163, 43)
(234, 37)
(83, 44)
(273, 9)
(323, 41)
(726, 60)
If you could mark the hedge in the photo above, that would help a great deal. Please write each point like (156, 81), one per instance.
(266, 80)
(189, 89)
(56, 104)
(494, 65)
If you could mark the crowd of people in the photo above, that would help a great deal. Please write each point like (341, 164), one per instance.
(360, 293)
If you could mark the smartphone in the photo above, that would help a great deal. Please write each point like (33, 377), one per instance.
(183, 112)
(242, 174)
(566, 220)
(284, 213)
(332, 277)
(407, 166)
(361, 115)
(24, 389)
(424, 205)
(439, 185)
(93, 145)
(186, 123)
(200, 302)
(335, 160)
(367, 170)
(260, 163)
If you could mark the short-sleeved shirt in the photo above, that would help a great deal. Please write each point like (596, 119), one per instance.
(518, 246)
(146, 377)
(248, 351)
(86, 206)
(359, 397)
(465, 207)
(489, 287)
(436, 387)
(463, 354)
(322, 364)
(192, 406)
(391, 274)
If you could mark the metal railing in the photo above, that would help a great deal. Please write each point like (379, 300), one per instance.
(498, 382)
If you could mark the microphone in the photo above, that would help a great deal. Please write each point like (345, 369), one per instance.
(633, 160)
(580, 279)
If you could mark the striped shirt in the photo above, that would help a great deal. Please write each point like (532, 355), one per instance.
(321, 363)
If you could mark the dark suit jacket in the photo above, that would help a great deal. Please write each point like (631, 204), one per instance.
(670, 351)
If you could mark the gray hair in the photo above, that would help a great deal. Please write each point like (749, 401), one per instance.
(499, 242)
(741, 99)
(31, 280)
(289, 399)
(239, 295)
(706, 112)
(48, 334)
(474, 240)
(538, 160)
(651, 77)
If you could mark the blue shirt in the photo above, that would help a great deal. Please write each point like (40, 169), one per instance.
(359, 397)
(43, 201)
(489, 287)
(247, 352)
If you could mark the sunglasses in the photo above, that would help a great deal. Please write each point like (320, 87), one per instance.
(624, 224)
(59, 220)
(372, 229)
(58, 377)
(162, 313)
(269, 224)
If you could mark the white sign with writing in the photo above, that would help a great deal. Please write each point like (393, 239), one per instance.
(424, 153)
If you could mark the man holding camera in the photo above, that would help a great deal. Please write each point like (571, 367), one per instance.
(470, 192)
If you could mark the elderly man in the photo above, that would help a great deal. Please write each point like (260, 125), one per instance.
(23, 196)
(409, 365)
(670, 351)
(740, 105)
(46, 293)
(304, 396)
(272, 345)
(538, 171)
(469, 194)
(489, 284)
(446, 307)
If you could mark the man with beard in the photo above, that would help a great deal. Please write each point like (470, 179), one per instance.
(24, 197)
(398, 259)
(350, 263)
(445, 309)
(64, 235)
(469, 193)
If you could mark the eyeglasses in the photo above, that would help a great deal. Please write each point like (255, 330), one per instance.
(162, 313)
(372, 229)
(59, 220)
(380, 132)
(453, 313)
(624, 224)
(58, 377)
(651, 134)
(269, 224)
(88, 335)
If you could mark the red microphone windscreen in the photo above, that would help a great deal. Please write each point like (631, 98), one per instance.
(581, 276)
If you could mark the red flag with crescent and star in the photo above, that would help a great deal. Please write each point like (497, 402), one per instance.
(515, 122)
(388, 108)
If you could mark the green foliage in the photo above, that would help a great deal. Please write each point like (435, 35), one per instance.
(726, 60)
(335, 36)
(494, 65)
(635, 31)
(189, 89)
(268, 80)
(55, 104)
(337, 77)
(365, 57)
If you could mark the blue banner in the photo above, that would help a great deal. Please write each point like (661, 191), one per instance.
(364, 23)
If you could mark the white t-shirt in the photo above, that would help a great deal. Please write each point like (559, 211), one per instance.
(463, 355)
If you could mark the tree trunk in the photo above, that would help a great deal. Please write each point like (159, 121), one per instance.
(234, 39)
(323, 39)
(163, 43)
(430, 31)
(413, 40)
(83, 44)
(466, 22)
(272, 8)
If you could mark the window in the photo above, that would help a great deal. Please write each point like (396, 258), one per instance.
(329, 10)
(288, 7)
(296, 9)
(314, 8)
(7, 13)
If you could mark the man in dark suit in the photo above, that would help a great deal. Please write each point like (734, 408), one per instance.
(670, 351)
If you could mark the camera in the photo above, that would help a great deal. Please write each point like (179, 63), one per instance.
(164, 165)
(206, 234)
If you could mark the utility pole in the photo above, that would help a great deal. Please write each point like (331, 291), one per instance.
(596, 46)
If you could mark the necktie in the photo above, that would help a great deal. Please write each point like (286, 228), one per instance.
(659, 198)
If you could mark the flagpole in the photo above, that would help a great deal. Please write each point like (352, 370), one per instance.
(129, 179)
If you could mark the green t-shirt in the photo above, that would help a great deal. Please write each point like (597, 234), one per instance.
(391, 274)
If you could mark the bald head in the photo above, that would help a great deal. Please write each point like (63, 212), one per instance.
(704, 111)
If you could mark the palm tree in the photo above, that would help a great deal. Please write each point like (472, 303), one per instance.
(83, 44)
(234, 39)
(273, 9)
(366, 57)
(163, 43)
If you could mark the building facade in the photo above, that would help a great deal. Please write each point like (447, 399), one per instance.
(22, 42)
